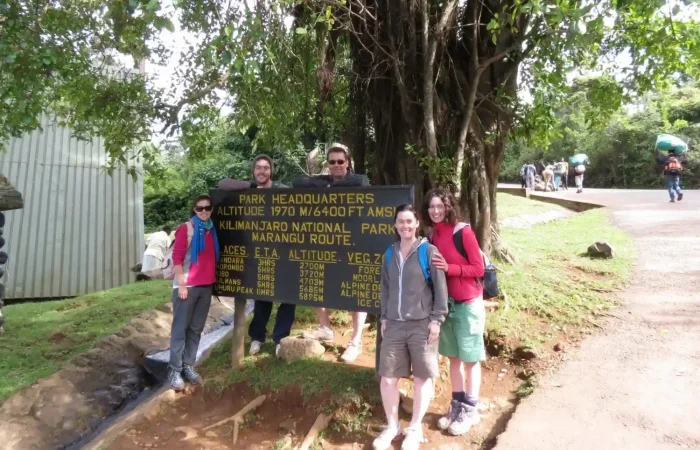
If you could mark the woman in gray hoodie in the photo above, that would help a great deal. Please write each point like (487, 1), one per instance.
(414, 305)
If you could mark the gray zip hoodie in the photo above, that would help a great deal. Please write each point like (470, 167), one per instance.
(405, 293)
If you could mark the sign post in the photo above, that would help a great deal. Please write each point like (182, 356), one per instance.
(313, 247)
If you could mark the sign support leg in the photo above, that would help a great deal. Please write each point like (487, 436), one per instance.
(379, 345)
(238, 345)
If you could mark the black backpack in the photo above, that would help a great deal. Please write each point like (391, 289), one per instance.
(489, 280)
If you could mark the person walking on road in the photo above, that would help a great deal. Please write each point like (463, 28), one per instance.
(462, 336)
(530, 172)
(548, 177)
(195, 253)
(263, 169)
(338, 161)
(413, 306)
(673, 169)
(579, 170)
(560, 171)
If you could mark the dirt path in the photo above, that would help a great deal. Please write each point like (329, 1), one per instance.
(635, 385)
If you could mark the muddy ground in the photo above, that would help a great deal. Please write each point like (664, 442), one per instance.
(287, 416)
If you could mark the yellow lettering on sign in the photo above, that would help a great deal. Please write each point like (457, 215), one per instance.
(234, 250)
(265, 252)
(252, 199)
(241, 210)
(282, 238)
(380, 211)
(377, 228)
(330, 239)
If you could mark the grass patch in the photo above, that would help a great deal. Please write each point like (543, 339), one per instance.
(41, 338)
(264, 373)
(350, 391)
(525, 389)
(511, 205)
(555, 286)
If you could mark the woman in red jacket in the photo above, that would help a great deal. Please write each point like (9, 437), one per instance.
(195, 253)
(462, 334)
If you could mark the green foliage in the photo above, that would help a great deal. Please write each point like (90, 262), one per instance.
(555, 287)
(288, 79)
(620, 147)
(41, 338)
(175, 179)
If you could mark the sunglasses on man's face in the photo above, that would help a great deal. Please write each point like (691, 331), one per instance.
(333, 162)
(207, 208)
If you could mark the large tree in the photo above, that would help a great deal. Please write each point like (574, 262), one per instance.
(426, 91)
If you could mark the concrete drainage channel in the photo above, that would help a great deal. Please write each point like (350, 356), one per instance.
(156, 365)
(96, 390)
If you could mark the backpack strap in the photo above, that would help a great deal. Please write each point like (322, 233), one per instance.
(424, 261)
(457, 239)
(190, 232)
(388, 254)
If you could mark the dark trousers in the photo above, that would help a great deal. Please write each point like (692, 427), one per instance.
(261, 316)
(189, 318)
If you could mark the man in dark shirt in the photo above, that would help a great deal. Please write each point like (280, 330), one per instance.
(262, 179)
(338, 160)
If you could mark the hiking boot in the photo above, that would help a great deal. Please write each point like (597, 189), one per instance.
(413, 439)
(680, 197)
(384, 440)
(189, 375)
(466, 417)
(254, 348)
(175, 380)
(445, 421)
(352, 351)
(322, 334)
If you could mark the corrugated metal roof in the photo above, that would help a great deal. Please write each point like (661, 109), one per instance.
(80, 230)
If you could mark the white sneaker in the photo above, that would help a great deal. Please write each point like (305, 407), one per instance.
(413, 439)
(255, 347)
(322, 334)
(277, 350)
(384, 440)
(352, 351)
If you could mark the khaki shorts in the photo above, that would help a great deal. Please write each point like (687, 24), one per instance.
(405, 347)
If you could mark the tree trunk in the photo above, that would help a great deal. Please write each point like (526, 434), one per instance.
(475, 200)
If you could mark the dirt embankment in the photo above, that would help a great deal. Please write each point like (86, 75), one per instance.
(56, 411)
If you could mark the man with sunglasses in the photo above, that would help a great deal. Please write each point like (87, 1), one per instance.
(338, 160)
(262, 179)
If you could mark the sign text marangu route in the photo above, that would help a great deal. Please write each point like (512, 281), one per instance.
(315, 247)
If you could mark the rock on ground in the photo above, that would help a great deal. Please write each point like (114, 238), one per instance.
(601, 249)
(296, 348)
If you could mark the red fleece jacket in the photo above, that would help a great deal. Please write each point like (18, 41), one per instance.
(204, 272)
(463, 275)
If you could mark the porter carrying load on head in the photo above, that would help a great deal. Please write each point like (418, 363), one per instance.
(673, 163)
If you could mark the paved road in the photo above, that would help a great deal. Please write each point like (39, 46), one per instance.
(636, 385)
